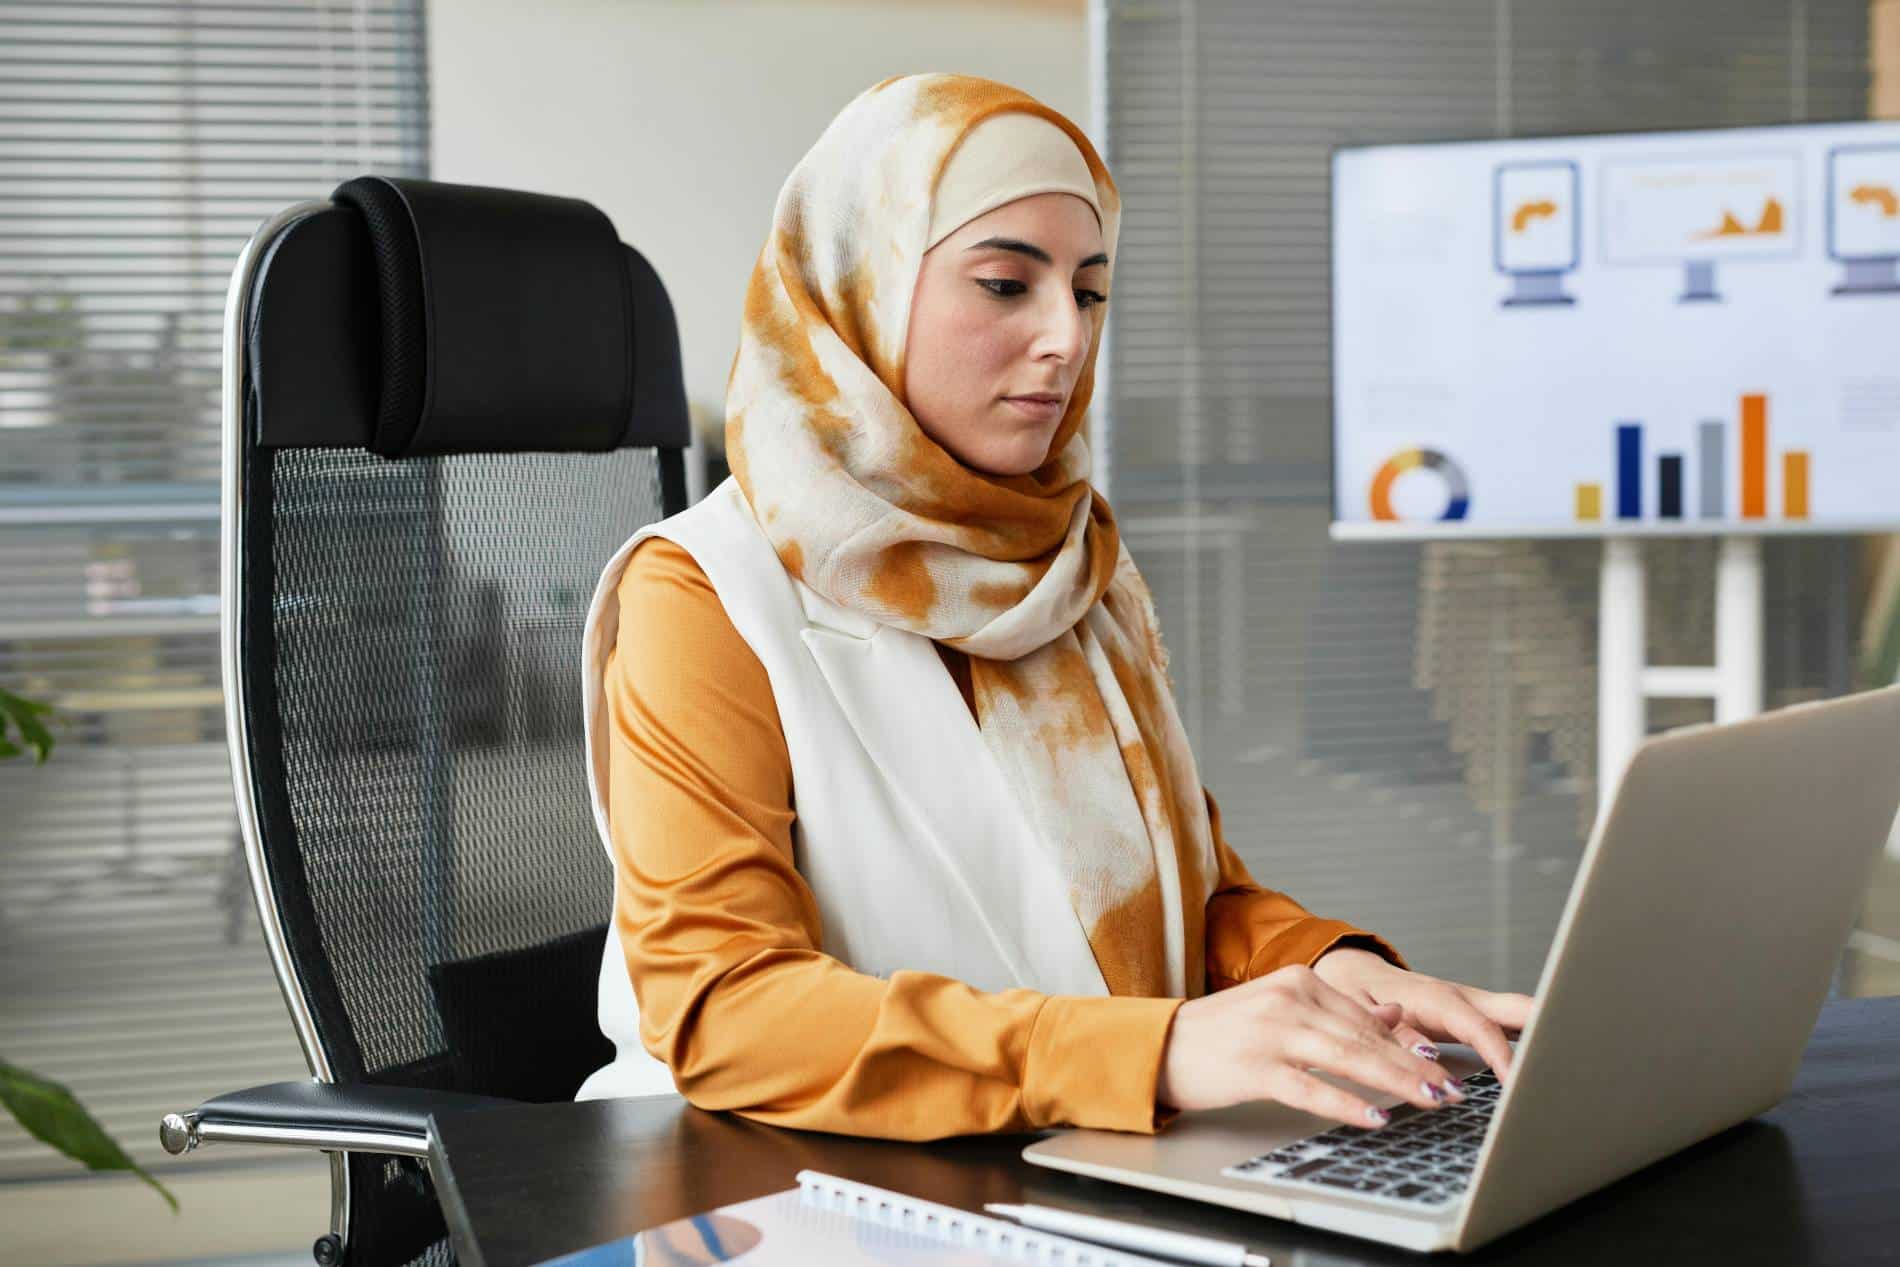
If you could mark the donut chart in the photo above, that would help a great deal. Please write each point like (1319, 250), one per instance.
(1457, 491)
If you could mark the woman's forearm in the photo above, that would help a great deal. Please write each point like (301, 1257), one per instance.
(796, 1038)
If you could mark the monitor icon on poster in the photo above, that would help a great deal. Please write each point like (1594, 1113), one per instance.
(1863, 218)
(1693, 213)
(1534, 229)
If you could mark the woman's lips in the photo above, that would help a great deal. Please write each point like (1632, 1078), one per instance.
(1040, 410)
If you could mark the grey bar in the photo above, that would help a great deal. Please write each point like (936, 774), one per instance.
(1710, 477)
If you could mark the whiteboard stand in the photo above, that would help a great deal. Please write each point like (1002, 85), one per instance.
(1626, 683)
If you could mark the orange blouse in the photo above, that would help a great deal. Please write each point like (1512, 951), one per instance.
(725, 950)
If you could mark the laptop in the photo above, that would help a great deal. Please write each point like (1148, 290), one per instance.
(1702, 930)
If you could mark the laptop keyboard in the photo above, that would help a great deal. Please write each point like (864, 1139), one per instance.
(1422, 1158)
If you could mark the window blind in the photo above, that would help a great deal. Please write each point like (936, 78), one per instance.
(1399, 734)
(140, 146)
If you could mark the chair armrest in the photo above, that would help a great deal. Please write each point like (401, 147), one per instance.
(311, 1114)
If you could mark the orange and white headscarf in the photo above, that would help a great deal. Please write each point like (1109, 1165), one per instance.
(1024, 573)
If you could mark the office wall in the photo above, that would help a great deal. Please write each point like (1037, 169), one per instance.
(681, 120)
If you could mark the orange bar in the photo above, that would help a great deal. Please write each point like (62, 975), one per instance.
(1589, 501)
(1794, 484)
(1754, 457)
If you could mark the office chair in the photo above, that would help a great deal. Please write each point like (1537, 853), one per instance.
(445, 406)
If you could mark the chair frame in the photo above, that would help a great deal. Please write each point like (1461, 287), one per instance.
(182, 1132)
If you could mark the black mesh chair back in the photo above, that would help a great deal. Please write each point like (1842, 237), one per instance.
(453, 404)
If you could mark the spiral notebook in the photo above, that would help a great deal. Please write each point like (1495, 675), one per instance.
(835, 1221)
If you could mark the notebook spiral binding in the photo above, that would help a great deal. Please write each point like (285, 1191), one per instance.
(1003, 1240)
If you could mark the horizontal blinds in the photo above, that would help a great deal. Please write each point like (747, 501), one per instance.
(1398, 734)
(141, 145)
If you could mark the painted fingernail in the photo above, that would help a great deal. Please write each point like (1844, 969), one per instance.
(1454, 1084)
(1436, 1092)
(1426, 1050)
(1455, 1089)
(1379, 1115)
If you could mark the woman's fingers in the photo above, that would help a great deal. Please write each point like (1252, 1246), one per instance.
(1414, 1040)
(1390, 1017)
(1457, 1017)
(1510, 1012)
(1368, 1056)
(1410, 1072)
(1404, 1033)
(1303, 1091)
(1386, 1014)
(1336, 1002)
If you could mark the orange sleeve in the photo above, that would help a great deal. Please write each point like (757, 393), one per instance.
(722, 937)
(1251, 930)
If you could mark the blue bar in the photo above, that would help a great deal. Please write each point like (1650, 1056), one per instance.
(1629, 470)
(1669, 485)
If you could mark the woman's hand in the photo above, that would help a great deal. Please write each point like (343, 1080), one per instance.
(1431, 1009)
(1257, 1040)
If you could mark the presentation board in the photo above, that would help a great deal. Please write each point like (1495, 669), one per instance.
(1649, 333)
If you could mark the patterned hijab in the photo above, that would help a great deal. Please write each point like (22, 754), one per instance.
(1024, 573)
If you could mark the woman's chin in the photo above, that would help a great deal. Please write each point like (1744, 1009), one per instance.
(1020, 452)
(1013, 462)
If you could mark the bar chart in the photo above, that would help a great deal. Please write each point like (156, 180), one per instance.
(1611, 406)
(1672, 471)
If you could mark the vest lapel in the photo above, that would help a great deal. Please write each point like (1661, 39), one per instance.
(919, 734)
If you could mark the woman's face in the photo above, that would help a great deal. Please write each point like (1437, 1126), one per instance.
(1000, 327)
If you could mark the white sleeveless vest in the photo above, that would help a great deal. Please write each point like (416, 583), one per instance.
(906, 830)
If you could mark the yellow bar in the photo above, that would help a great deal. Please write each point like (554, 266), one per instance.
(1589, 501)
(1794, 484)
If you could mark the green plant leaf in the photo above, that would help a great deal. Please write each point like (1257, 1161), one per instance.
(17, 713)
(49, 1112)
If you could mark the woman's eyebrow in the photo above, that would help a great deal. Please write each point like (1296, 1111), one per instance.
(1030, 249)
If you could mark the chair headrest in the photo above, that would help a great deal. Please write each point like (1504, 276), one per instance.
(416, 317)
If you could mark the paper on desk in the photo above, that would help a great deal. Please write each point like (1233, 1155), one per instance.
(790, 1229)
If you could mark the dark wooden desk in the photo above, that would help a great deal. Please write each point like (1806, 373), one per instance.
(1814, 1182)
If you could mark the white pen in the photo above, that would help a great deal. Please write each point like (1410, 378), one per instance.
(1132, 1236)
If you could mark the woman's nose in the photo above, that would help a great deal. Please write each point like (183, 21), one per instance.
(1064, 328)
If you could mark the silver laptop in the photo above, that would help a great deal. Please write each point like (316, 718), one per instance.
(1699, 938)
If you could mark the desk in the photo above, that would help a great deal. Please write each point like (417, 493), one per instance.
(1816, 1181)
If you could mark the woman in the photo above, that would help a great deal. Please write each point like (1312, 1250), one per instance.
(907, 836)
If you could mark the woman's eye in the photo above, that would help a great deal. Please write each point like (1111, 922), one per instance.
(1008, 288)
